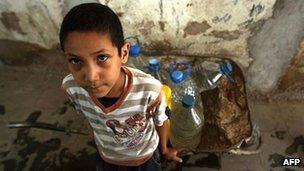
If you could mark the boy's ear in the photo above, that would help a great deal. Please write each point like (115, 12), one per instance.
(125, 53)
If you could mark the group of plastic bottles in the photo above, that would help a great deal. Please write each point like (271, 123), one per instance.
(187, 118)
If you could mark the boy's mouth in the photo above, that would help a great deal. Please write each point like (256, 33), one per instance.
(93, 88)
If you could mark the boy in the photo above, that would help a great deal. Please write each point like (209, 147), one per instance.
(124, 106)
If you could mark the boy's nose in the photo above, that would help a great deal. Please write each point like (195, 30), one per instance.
(91, 75)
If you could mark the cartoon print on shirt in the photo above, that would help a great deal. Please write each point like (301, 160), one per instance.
(137, 121)
(130, 132)
(116, 127)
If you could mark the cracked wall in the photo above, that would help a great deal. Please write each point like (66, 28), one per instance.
(201, 28)
(262, 36)
(275, 45)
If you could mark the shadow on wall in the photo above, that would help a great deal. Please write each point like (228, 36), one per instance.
(19, 53)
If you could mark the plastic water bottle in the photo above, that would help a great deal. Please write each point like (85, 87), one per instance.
(181, 80)
(211, 73)
(186, 124)
(135, 59)
(137, 62)
(156, 70)
(182, 84)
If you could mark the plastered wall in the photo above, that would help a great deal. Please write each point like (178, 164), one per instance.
(262, 36)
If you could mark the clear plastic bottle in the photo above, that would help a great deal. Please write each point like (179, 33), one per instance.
(137, 62)
(212, 72)
(182, 84)
(156, 70)
(135, 58)
(186, 124)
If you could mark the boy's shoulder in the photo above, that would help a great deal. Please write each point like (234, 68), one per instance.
(69, 85)
(68, 81)
(137, 73)
(140, 76)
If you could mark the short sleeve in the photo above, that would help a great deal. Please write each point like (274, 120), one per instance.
(66, 84)
(160, 115)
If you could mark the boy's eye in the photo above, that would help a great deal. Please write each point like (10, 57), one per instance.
(102, 58)
(74, 61)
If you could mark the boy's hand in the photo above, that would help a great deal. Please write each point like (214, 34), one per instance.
(172, 153)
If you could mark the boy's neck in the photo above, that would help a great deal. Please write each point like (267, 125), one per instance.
(118, 88)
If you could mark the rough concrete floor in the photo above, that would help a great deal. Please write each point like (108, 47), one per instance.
(34, 90)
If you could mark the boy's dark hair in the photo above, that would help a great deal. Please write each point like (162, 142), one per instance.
(92, 17)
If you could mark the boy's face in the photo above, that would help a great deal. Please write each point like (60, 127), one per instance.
(95, 63)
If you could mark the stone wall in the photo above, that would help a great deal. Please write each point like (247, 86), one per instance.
(261, 36)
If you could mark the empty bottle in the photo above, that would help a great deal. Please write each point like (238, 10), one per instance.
(182, 81)
(210, 73)
(137, 62)
(135, 59)
(186, 124)
(156, 70)
(135, 48)
(182, 84)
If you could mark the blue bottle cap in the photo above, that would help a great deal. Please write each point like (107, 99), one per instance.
(229, 66)
(134, 50)
(154, 65)
(226, 68)
(177, 76)
(188, 101)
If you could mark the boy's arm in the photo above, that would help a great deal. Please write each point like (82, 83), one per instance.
(76, 108)
(157, 108)
(163, 136)
(169, 153)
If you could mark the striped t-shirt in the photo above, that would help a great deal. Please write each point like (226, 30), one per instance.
(124, 133)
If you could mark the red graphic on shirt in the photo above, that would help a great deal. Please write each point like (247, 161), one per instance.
(130, 132)
(117, 128)
(137, 121)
